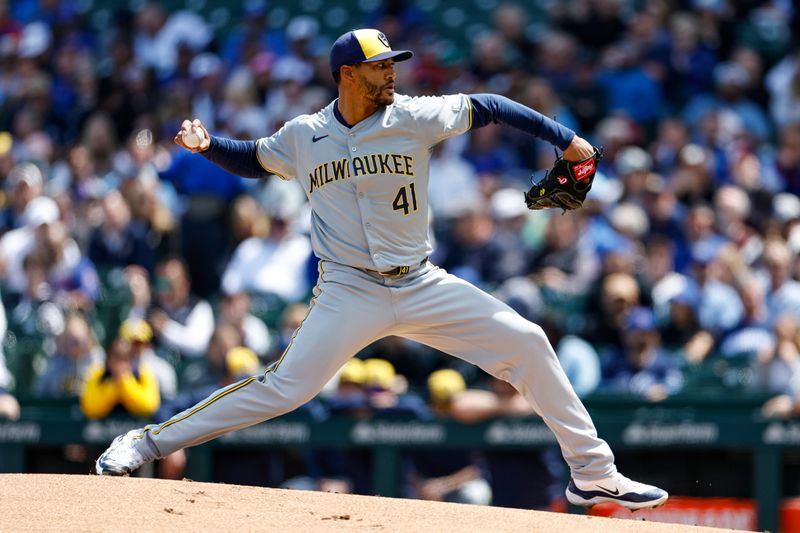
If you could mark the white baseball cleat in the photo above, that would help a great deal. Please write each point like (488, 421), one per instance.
(617, 489)
(122, 457)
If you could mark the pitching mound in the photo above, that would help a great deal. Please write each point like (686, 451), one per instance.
(92, 503)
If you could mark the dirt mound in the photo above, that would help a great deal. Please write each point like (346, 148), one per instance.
(39, 502)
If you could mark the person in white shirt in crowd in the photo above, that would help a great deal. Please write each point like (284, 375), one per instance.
(23, 183)
(453, 181)
(180, 322)
(40, 213)
(275, 264)
(158, 36)
(783, 292)
(234, 309)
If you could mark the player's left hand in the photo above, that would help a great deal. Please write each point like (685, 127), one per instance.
(568, 182)
(578, 150)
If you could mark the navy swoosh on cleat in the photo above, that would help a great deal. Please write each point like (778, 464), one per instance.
(634, 497)
(315, 138)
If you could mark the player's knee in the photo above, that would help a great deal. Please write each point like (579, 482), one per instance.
(299, 397)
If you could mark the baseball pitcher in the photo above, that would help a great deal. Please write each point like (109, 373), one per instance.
(363, 162)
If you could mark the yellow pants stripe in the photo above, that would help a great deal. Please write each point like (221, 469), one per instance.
(203, 406)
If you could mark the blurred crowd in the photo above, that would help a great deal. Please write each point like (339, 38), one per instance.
(138, 277)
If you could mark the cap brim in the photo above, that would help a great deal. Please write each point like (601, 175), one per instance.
(397, 55)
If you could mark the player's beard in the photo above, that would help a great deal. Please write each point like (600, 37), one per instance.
(376, 94)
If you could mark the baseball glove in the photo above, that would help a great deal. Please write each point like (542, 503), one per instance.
(565, 185)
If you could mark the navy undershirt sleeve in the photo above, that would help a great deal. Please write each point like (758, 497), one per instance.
(488, 108)
(237, 157)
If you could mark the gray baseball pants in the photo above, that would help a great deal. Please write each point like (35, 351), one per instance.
(350, 310)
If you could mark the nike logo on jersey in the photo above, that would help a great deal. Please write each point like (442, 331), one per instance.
(614, 492)
(315, 138)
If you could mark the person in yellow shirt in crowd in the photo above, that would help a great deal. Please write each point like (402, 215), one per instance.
(124, 383)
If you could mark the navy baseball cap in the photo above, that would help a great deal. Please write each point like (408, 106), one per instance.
(361, 46)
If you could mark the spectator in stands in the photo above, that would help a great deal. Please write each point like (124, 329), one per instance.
(691, 60)
(387, 394)
(782, 406)
(733, 209)
(477, 250)
(783, 84)
(752, 337)
(682, 332)
(778, 368)
(632, 166)
(72, 275)
(348, 393)
(68, 370)
(731, 104)
(556, 60)
(159, 35)
(15, 245)
(210, 370)
(619, 293)
(489, 155)
(631, 90)
(140, 334)
(783, 166)
(248, 219)
(34, 313)
(124, 384)
(151, 212)
(782, 367)
(641, 367)
(179, 320)
(119, 241)
(234, 309)
(23, 183)
(658, 261)
(274, 264)
(782, 292)
(567, 263)
(453, 182)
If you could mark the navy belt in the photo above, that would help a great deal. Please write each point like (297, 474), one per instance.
(396, 272)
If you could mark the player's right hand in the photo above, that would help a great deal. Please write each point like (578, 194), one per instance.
(188, 125)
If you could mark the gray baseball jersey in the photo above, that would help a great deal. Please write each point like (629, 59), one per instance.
(368, 189)
(368, 185)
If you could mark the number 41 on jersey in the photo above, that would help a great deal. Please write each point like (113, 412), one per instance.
(401, 202)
